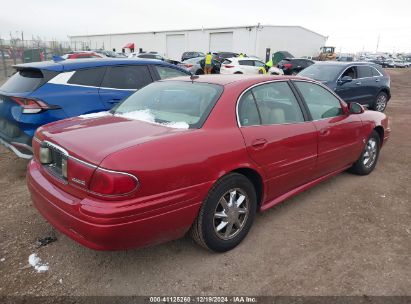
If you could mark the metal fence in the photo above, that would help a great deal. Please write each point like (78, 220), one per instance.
(15, 51)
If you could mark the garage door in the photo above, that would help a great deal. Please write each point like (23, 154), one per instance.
(175, 46)
(221, 42)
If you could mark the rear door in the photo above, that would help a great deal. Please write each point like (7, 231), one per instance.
(247, 66)
(121, 81)
(339, 136)
(278, 136)
(76, 92)
(367, 86)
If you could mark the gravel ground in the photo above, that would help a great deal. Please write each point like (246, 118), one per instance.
(349, 235)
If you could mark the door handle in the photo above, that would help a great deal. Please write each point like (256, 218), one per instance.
(377, 80)
(259, 143)
(324, 132)
(358, 82)
(114, 100)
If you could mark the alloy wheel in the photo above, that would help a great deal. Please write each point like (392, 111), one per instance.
(231, 214)
(370, 153)
(381, 103)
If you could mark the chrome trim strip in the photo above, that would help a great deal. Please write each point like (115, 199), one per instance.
(68, 156)
(15, 150)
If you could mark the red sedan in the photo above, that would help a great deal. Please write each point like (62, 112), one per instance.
(201, 154)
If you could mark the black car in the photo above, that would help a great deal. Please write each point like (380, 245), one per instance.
(363, 82)
(292, 66)
(221, 56)
(189, 55)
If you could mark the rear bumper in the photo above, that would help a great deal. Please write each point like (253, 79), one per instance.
(22, 150)
(102, 232)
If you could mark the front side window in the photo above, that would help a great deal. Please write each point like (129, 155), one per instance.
(321, 103)
(259, 64)
(127, 77)
(88, 77)
(172, 103)
(351, 72)
(166, 72)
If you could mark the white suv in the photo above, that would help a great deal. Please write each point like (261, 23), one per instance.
(246, 65)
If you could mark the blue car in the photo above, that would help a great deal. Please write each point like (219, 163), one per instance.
(43, 92)
(363, 82)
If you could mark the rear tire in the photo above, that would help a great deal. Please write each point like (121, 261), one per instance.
(369, 156)
(380, 102)
(227, 214)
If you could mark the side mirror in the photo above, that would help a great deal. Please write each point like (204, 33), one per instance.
(345, 79)
(355, 108)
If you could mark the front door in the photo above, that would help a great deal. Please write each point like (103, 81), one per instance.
(277, 136)
(339, 138)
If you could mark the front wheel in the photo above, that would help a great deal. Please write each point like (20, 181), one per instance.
(369, 156)
(381, 102)
(227, 214)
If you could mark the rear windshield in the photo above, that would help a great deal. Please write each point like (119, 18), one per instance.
(193, 60)
(178, 104)
(22, 81)
(321, 72)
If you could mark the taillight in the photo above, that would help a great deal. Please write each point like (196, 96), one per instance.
(188, 65)
(79, 173)
(32, 106)
(288, 65)
(228, 66)
(112, 183)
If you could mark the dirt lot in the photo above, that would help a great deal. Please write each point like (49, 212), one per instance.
(347, 236)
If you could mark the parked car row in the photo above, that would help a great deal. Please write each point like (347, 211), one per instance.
(40, 93)
(132, 152)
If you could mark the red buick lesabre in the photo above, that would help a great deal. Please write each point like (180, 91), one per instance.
(201, 154)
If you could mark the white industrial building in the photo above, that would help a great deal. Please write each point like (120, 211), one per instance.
(251, 40)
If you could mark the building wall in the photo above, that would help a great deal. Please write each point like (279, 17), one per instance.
(297, 40)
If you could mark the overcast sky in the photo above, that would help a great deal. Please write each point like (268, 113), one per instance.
(350, 25)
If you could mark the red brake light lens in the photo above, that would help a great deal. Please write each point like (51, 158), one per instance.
(78, 173)
(31, 106)
(112, 183)
(288, 65)
(188, 65)
(228, 66)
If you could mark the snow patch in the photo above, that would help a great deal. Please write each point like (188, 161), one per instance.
(2, 259)
(95, 115)
(35, 261)
(145, 115)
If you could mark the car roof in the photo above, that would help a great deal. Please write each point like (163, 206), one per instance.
(222, 79)
(75, 64)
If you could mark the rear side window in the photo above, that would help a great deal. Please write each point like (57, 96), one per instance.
(321, 103)
(247, 111)
(166, 72)
(246, 62)
(127, 77)
(26, 80)
(88, 77)
(277, 104)
(364, 71)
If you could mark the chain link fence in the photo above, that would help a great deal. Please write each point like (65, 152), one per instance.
(16, 51)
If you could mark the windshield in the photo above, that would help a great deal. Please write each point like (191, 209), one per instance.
(321, 72)
(179, 104)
